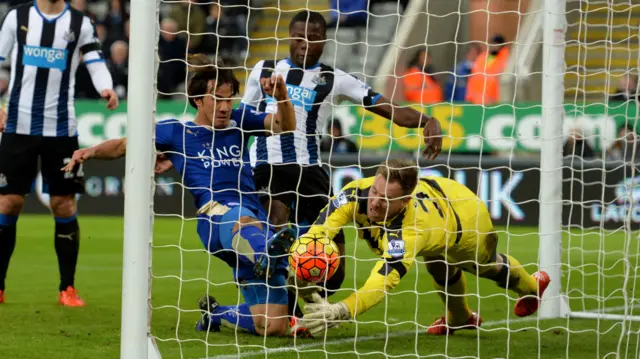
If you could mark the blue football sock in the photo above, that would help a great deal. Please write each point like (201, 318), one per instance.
(234, 316)
(250, 239)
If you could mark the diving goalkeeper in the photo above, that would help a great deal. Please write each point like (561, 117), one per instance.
(402, 216)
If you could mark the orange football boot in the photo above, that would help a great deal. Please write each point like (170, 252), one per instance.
(69, 298)
(1, 296)
(300, 332)
(528, 305)
(440, 326)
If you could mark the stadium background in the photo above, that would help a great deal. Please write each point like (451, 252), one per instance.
(493, 149)
(491, 137)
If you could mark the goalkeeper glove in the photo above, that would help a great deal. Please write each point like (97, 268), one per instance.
(308, 291)
(320, 317)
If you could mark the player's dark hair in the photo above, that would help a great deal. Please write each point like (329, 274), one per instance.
(312, 17)
(201, 70)
(402, 171)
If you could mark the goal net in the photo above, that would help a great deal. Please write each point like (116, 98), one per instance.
(537, 101)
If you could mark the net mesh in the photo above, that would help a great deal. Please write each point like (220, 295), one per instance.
(491, 145)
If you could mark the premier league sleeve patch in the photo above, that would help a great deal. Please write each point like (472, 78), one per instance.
(340, 200)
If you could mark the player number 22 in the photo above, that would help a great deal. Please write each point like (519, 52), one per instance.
(78, 173)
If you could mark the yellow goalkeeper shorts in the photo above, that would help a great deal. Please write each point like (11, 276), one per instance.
(477, 246)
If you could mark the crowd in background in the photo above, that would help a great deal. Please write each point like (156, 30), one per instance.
(222, 24)
(223, 29)
(473, 80)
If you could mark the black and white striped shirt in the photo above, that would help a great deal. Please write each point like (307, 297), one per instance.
(45, 52)
(314, 92)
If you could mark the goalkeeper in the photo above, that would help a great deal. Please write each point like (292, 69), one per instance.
(403, 217)
(210, 154)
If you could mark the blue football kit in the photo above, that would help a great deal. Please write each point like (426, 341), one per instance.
(215, 168)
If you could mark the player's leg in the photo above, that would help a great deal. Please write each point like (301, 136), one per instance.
(278, 187)
(476, 249)
(278, 184)
(18, 168)
(509, 273)
(63, 187)
(265, 309)
(315, 193)
(505, 270)
(451, 284)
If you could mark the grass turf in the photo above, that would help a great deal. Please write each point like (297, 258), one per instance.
(34, 326)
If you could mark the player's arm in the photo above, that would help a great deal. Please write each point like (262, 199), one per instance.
(358, 92)
(7, 40)
(93, 58)
(253, 90)
(117, 148)
(107, 150)
(268, 123)
(397, 259)
(8, 34)
(285, 118)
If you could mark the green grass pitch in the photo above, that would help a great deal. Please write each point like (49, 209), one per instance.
(32, 325)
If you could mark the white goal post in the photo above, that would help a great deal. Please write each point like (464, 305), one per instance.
(136, 338)
(555, 26)
(136, 341)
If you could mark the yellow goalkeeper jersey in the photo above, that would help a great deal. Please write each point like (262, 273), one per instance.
(426, 227)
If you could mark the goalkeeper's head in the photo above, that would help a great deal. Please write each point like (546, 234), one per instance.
(211, 90)
(391, 190)
(308, 32)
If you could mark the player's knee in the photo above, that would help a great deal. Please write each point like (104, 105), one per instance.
(278, 213)
(498, 271)
(440, 270)
(277, 328)
(246, 221)
(270, 327)
(63, 206)
(11, 204)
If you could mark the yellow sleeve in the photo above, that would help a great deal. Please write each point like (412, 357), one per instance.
(399, 254)
(336, 214)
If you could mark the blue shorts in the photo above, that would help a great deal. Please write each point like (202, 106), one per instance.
(241, 253)
(255, 291)
(210, 228)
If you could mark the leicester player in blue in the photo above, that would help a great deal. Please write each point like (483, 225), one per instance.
(212, 156)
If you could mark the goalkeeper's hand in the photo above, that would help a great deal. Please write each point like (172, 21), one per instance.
(308, 291)
(320, 317)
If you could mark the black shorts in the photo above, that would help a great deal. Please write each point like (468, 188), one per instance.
(19, 156)
(304, 189)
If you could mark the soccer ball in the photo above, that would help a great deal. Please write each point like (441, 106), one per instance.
(314, 258)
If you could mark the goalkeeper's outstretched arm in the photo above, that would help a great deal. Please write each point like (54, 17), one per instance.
(385, 276)
(387, 272)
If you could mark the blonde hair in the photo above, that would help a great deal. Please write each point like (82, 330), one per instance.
(402, 171)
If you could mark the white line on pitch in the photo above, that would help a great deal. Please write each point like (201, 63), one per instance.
(300, 347)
